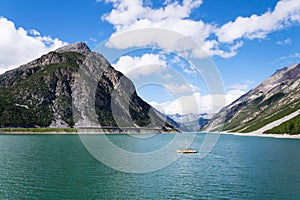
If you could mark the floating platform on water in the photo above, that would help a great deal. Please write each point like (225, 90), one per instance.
(186, 151)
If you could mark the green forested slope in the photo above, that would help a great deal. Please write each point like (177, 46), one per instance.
(291, 127)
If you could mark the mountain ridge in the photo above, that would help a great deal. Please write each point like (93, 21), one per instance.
(274, 98)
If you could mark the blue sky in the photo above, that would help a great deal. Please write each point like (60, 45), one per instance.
(248, 41)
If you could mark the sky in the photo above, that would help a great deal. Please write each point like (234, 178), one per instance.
(231, 45)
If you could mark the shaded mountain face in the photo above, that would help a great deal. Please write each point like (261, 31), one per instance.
(273, 99)
(73, 86)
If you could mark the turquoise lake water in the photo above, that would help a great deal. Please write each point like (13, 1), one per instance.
(60, 167)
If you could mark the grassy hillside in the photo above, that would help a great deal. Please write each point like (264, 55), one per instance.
(267, 116)
(291, 127)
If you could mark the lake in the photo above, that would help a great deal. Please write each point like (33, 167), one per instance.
(60, 167)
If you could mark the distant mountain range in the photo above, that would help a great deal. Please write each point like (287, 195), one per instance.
(272, 107)
(53, 91)
(191, 122)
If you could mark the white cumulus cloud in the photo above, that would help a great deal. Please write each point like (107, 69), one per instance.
(182, 88)
(197, 103)
(128, 15)
(140, 65)
(285, 13)
(18, 46)
(216, 40)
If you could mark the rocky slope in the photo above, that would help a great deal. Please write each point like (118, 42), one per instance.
(73, 86)
(273, 99)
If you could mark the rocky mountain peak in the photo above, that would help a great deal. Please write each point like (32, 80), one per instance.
(54, 91)
(287, 73)
(281, 79)
(79, 47)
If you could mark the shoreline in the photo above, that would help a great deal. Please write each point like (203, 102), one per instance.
(37, 133)
(282, 136)
(81, 133)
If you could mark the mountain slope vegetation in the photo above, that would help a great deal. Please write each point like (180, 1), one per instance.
(273, 99)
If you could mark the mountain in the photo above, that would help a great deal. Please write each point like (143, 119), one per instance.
(267, 106)
(191, 122)
(73, 87)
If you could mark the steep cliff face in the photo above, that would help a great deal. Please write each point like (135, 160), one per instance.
(63, 88)
(273, 99)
